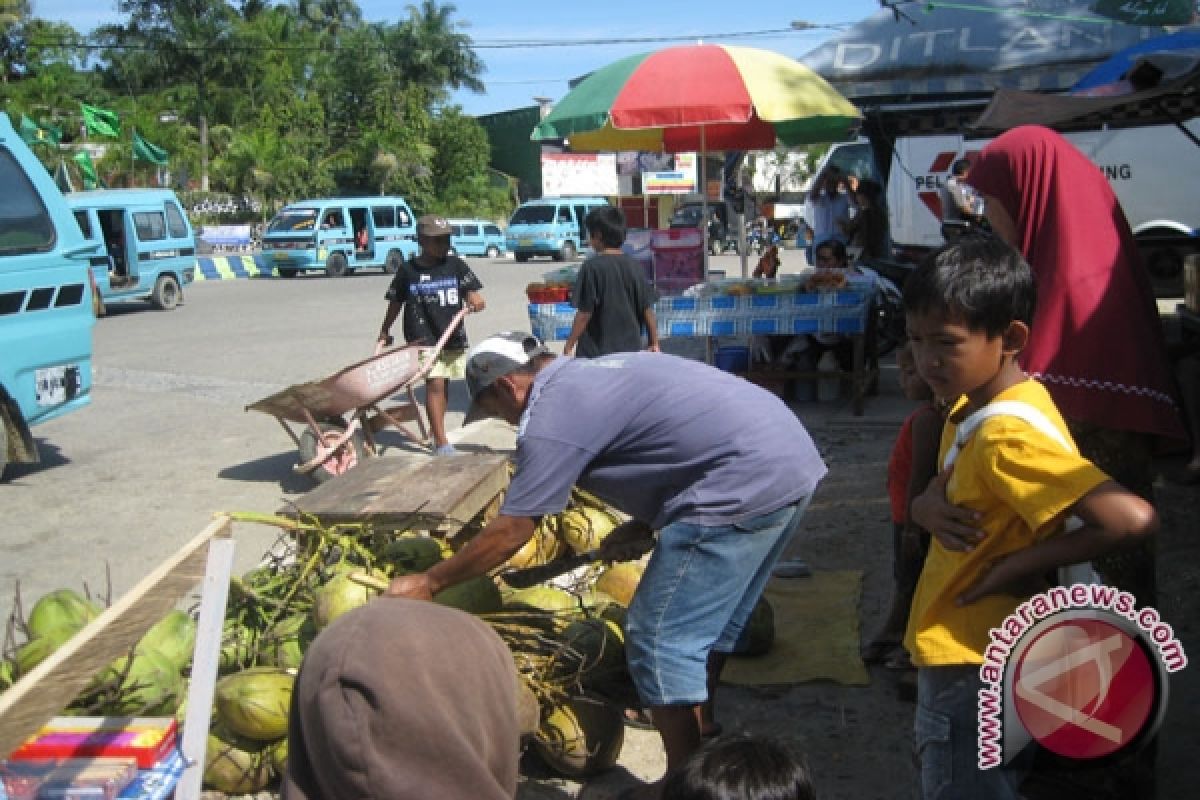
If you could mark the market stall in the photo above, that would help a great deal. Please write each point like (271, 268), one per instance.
(806, 303)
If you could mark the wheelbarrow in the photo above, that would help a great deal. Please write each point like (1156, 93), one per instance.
(332, 443)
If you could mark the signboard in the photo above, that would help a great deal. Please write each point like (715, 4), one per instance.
(579, 174)
(681, 180)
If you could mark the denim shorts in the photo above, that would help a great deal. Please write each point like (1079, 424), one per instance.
(947, 740)
(696, 596)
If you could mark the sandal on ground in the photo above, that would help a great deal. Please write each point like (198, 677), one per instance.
(877, 651)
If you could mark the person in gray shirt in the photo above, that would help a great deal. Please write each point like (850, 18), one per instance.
(720, 468)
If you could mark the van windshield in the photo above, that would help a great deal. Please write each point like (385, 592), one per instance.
(533, 215)
(293, 220)
(25, 225)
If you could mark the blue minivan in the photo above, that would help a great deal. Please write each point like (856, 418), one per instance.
(46, 302)
(147, 249)
(338, 235)
(550, 226)
(476, 237)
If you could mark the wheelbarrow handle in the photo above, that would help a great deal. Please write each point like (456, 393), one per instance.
(384, 344)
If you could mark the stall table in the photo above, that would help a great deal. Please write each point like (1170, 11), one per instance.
(769, 310)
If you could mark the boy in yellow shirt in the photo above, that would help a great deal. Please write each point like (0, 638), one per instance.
(1011, 477)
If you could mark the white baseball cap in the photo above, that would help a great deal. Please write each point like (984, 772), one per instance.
(495, 357)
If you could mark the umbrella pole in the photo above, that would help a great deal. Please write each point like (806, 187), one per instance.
(703, 208)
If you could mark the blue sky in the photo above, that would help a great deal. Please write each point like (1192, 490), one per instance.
(515, 76)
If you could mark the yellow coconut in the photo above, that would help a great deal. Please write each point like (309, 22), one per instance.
(584, 528)
(341, 594)
(234, 764)
(542, 548)
(582, 737)
(541, 598)
(620, 581)
(254, 702)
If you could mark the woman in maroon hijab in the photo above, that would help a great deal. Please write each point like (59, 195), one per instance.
(1096, 340)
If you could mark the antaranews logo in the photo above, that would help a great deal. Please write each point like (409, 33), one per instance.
(1080, 670)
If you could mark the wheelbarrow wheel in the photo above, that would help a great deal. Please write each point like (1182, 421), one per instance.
(350, 455)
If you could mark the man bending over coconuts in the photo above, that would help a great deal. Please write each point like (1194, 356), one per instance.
(653, 435)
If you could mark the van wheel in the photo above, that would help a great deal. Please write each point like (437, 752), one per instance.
(350, 455)
(493, 252)
(521, 257)
(567, 253)
(166, 293)
(335, 265)
(287, 272)
(392, 265)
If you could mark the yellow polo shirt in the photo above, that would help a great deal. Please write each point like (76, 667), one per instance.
(1024, 482)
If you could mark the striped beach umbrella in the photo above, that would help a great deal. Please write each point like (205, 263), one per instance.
(700, 98)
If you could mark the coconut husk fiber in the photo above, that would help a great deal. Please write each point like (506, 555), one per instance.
(816, 634)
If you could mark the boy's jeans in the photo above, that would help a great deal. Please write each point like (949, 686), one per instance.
(947, 740)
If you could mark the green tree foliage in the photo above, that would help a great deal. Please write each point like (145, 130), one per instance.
(280, 100)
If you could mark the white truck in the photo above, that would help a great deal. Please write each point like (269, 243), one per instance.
(1154, 170)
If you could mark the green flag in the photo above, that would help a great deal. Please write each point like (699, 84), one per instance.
(99, 120)
(33, 133)
(86, 169)
(148, 152)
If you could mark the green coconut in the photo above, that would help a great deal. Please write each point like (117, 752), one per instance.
(410, 553)
(597, 646)
(582, 737)
(475, 596)
(277, 755)
(238, 646)
(541, 598)
(174, 636)
(620, 581)
(37, 650)
(62, 608)
(759, 633)
(254, 702)
(234, 764)
(146, 685)
(284, 643)
(341, 594)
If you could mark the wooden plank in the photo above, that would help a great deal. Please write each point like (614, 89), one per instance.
(214, 594)
(404, 491)
(40, 695)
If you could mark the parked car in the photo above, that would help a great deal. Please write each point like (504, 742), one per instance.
(476, 237)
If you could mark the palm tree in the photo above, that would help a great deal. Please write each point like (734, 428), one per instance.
(431, 52)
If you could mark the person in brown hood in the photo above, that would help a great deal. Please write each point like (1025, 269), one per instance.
(378, 713)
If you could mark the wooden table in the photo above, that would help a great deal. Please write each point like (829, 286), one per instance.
(402, 492)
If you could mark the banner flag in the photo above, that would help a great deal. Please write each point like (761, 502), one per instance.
(99, 120)
(86, 169)
(34, 133)
(148, 152)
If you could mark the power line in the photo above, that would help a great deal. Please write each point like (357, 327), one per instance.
(496, 44)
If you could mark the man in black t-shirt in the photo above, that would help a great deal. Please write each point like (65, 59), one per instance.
(612, 299)
(431, 290)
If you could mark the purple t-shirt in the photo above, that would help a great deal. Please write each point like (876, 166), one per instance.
(662, 438)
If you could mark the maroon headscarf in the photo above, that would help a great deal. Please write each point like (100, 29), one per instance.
(1097, 341)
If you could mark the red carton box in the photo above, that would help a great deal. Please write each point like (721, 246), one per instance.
(148, 740)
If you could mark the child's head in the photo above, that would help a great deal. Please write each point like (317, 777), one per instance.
(745, 767)
(911, 383)
(968, 308)
(830, 254)
(607, 225)
(433, 237)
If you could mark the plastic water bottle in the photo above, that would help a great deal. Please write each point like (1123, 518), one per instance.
(829, 384)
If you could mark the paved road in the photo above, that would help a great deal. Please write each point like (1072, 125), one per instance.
(166, 442)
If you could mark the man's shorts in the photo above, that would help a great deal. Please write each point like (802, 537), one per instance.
(696, 595)
(450, 364)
